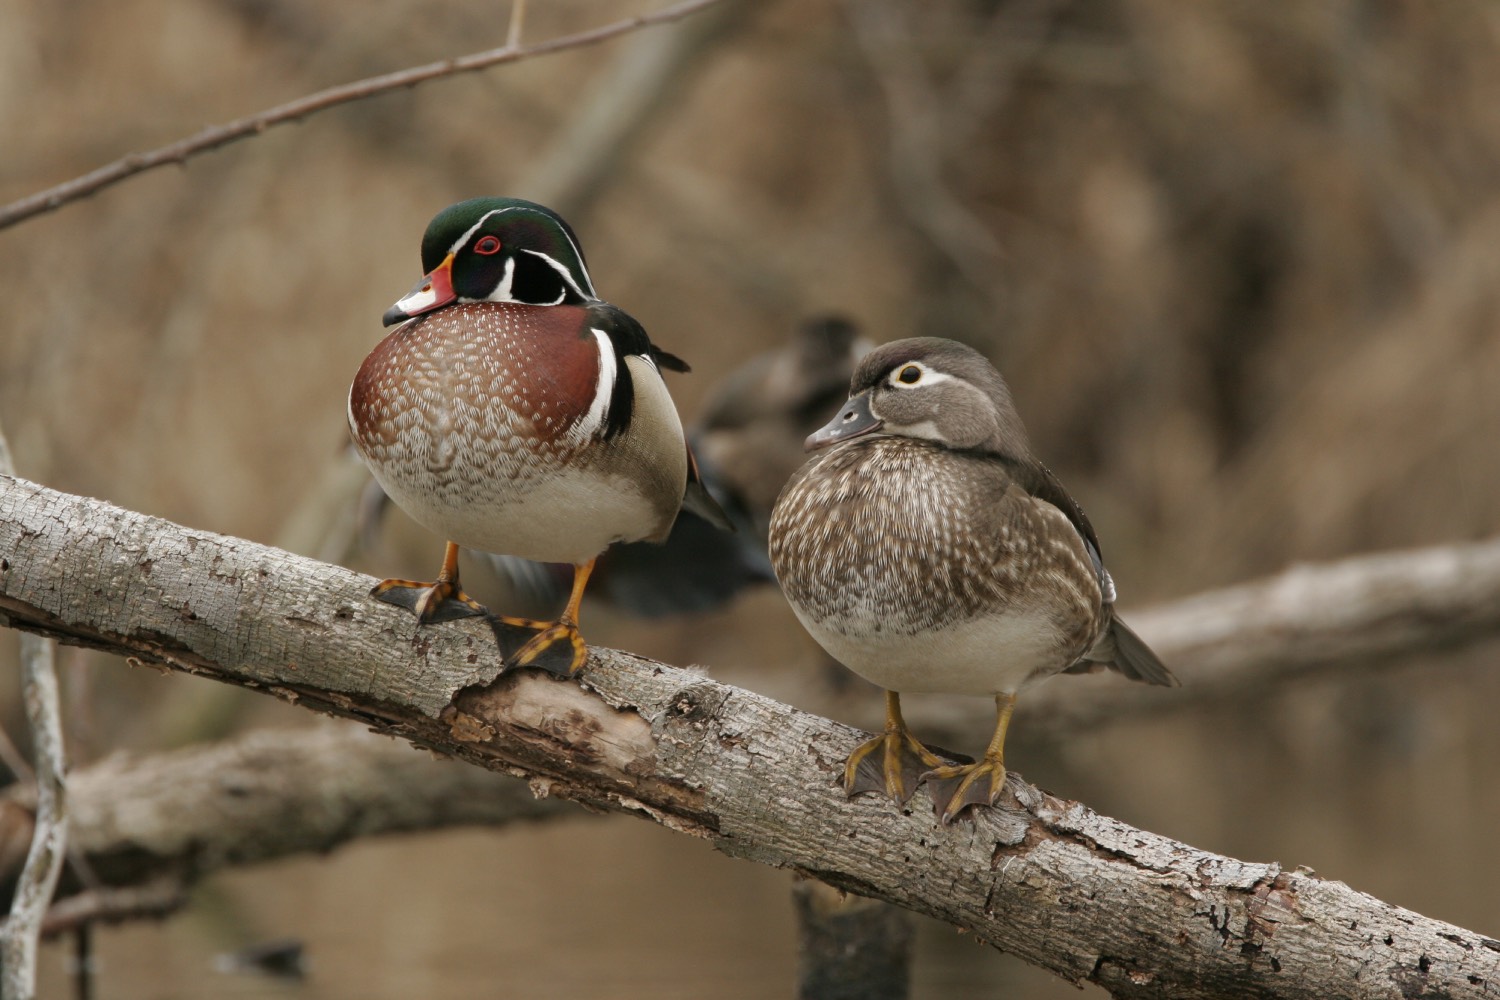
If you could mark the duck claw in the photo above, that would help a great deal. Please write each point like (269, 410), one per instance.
(443, 601)
(956, 788)
(891, 764)
(557, 648)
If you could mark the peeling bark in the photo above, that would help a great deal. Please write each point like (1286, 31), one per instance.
(1085, 896)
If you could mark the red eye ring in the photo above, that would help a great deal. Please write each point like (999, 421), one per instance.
(488, 245)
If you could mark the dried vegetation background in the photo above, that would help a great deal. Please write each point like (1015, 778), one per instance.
(1239, 261)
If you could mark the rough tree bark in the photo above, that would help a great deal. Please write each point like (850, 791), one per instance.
(1323, 618)
(1080, 894)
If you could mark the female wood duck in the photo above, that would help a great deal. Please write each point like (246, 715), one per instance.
(927, 550)
(514, 411)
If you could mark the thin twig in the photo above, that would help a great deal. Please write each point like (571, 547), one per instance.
(517, 24)
(11, 757)
(157, 898)
(44, 861)
(215, 136)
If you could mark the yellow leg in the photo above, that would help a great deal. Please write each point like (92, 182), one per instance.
(559, 647)
(892, 762)
(957, 786)
(443, 600)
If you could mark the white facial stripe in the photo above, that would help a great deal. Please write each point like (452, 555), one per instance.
(567, 276)
(604, 390)
(587, 291)
(462, 240)
(502, 290)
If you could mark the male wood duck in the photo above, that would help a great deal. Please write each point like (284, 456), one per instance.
(748, 442)
(925, 548)
(514, 411)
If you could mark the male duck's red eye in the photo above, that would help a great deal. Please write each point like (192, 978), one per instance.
(488, 245)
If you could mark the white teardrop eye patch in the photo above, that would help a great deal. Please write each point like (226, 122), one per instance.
(909, 374)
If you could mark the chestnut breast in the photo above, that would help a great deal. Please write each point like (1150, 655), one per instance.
(477, 390)
(539, 362)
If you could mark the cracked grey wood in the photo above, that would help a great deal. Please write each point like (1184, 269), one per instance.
(1225, 641)
(1085, 896)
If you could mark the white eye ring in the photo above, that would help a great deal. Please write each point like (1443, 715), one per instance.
(908, 375)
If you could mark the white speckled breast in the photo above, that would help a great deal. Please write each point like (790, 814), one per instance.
(476, 421)
(929, 570)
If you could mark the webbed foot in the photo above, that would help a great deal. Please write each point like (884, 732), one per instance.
(443, 601)
(892, 763)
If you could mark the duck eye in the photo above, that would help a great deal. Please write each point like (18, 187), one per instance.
(910, 375)
(488, 245)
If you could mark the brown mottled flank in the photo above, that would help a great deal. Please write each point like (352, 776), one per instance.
(903, 536)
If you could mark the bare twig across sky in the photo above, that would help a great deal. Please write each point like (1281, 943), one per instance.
(215, 136)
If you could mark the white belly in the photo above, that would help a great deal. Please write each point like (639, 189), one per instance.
(567, 517)
(984, 656)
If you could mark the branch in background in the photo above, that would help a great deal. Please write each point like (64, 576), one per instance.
(1085, 896)
(49, 839)
(651, 74)
(215, 136)
(1357, 613)
(180, 815)
(850, 946)
(154, 899)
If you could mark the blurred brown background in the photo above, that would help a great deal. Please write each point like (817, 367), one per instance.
(1239, 261)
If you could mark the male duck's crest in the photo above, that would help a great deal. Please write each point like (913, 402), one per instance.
(497, 250)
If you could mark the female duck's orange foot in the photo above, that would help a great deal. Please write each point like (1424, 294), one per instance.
(443, 601)
(556, 647)
(889, 765)
(957, 787)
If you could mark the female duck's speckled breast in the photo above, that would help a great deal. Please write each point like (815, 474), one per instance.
(901, 536)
